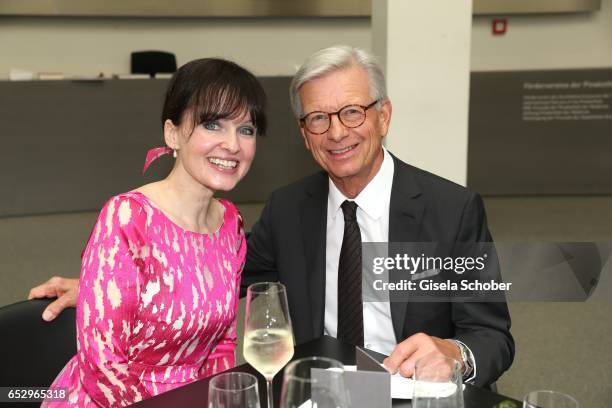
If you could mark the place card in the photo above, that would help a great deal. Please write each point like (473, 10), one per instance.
(370, 384)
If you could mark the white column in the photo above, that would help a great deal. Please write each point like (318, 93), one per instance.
(425, 49)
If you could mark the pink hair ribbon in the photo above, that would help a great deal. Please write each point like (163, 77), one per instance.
(154, 154)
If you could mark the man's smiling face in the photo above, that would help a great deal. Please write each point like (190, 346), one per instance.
(351, 156)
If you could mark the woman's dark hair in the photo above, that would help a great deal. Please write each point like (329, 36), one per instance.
(212, 89)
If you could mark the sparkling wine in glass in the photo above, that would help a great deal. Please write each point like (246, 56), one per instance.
(268, 336)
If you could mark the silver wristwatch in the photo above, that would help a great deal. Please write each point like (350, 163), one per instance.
(468, 364)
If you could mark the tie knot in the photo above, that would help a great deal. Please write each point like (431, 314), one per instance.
(349, 209)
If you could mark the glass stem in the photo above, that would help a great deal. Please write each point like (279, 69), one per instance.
(269, 392)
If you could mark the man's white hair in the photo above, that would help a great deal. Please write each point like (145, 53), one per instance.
(336, 58)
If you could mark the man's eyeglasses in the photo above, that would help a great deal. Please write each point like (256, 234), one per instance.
(350, 116)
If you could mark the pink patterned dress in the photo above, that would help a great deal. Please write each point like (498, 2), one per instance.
(157, 304)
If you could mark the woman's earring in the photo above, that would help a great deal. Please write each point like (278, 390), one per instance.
(174, 153)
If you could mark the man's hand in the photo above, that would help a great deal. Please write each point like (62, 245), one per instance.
(66, 291)
(409, 351)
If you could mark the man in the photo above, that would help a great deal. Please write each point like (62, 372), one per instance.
(310, 233)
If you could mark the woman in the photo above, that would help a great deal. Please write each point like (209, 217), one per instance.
(161, 271)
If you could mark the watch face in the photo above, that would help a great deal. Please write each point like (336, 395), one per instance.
(467, 364)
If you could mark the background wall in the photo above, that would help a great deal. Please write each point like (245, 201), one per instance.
(277, 46)
(88, 46)
(545, 42)
(430, 69)
(558, 346)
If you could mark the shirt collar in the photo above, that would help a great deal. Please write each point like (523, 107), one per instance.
(369, 199)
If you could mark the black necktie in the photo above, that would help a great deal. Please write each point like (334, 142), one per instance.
(350, 305)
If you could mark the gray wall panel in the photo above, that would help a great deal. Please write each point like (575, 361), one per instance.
(68, 146)
(541, 132)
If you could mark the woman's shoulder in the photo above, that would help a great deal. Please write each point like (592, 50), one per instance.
(129, 200)
(231, 210)
(234, 227)
(125, 210)
(232, 216)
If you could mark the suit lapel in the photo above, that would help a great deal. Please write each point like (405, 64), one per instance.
(405, 216)
(313, 210)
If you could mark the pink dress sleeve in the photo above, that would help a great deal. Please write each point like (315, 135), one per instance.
(109, 295)
(222, 356)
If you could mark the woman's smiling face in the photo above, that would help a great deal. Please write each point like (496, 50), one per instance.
(217, 154)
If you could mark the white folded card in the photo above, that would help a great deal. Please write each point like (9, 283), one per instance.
(381, 387)
(403, 388)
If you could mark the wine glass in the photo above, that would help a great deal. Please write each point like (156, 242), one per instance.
(231, 390)
(549, 399)
(437, 383)
(314, 382)
(268, 336)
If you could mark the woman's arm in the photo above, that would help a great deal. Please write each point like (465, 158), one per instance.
(109, 295)
(222, 356)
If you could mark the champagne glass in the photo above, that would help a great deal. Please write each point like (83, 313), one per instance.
(268, 336)
(549, 399)
(231, 390)
(314, 382)
(437, 383)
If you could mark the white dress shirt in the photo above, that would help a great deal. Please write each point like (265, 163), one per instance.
(373, 219)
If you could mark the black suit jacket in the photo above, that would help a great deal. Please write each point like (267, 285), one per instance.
(288, 244)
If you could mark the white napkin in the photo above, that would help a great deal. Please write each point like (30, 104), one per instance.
(403, 388)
